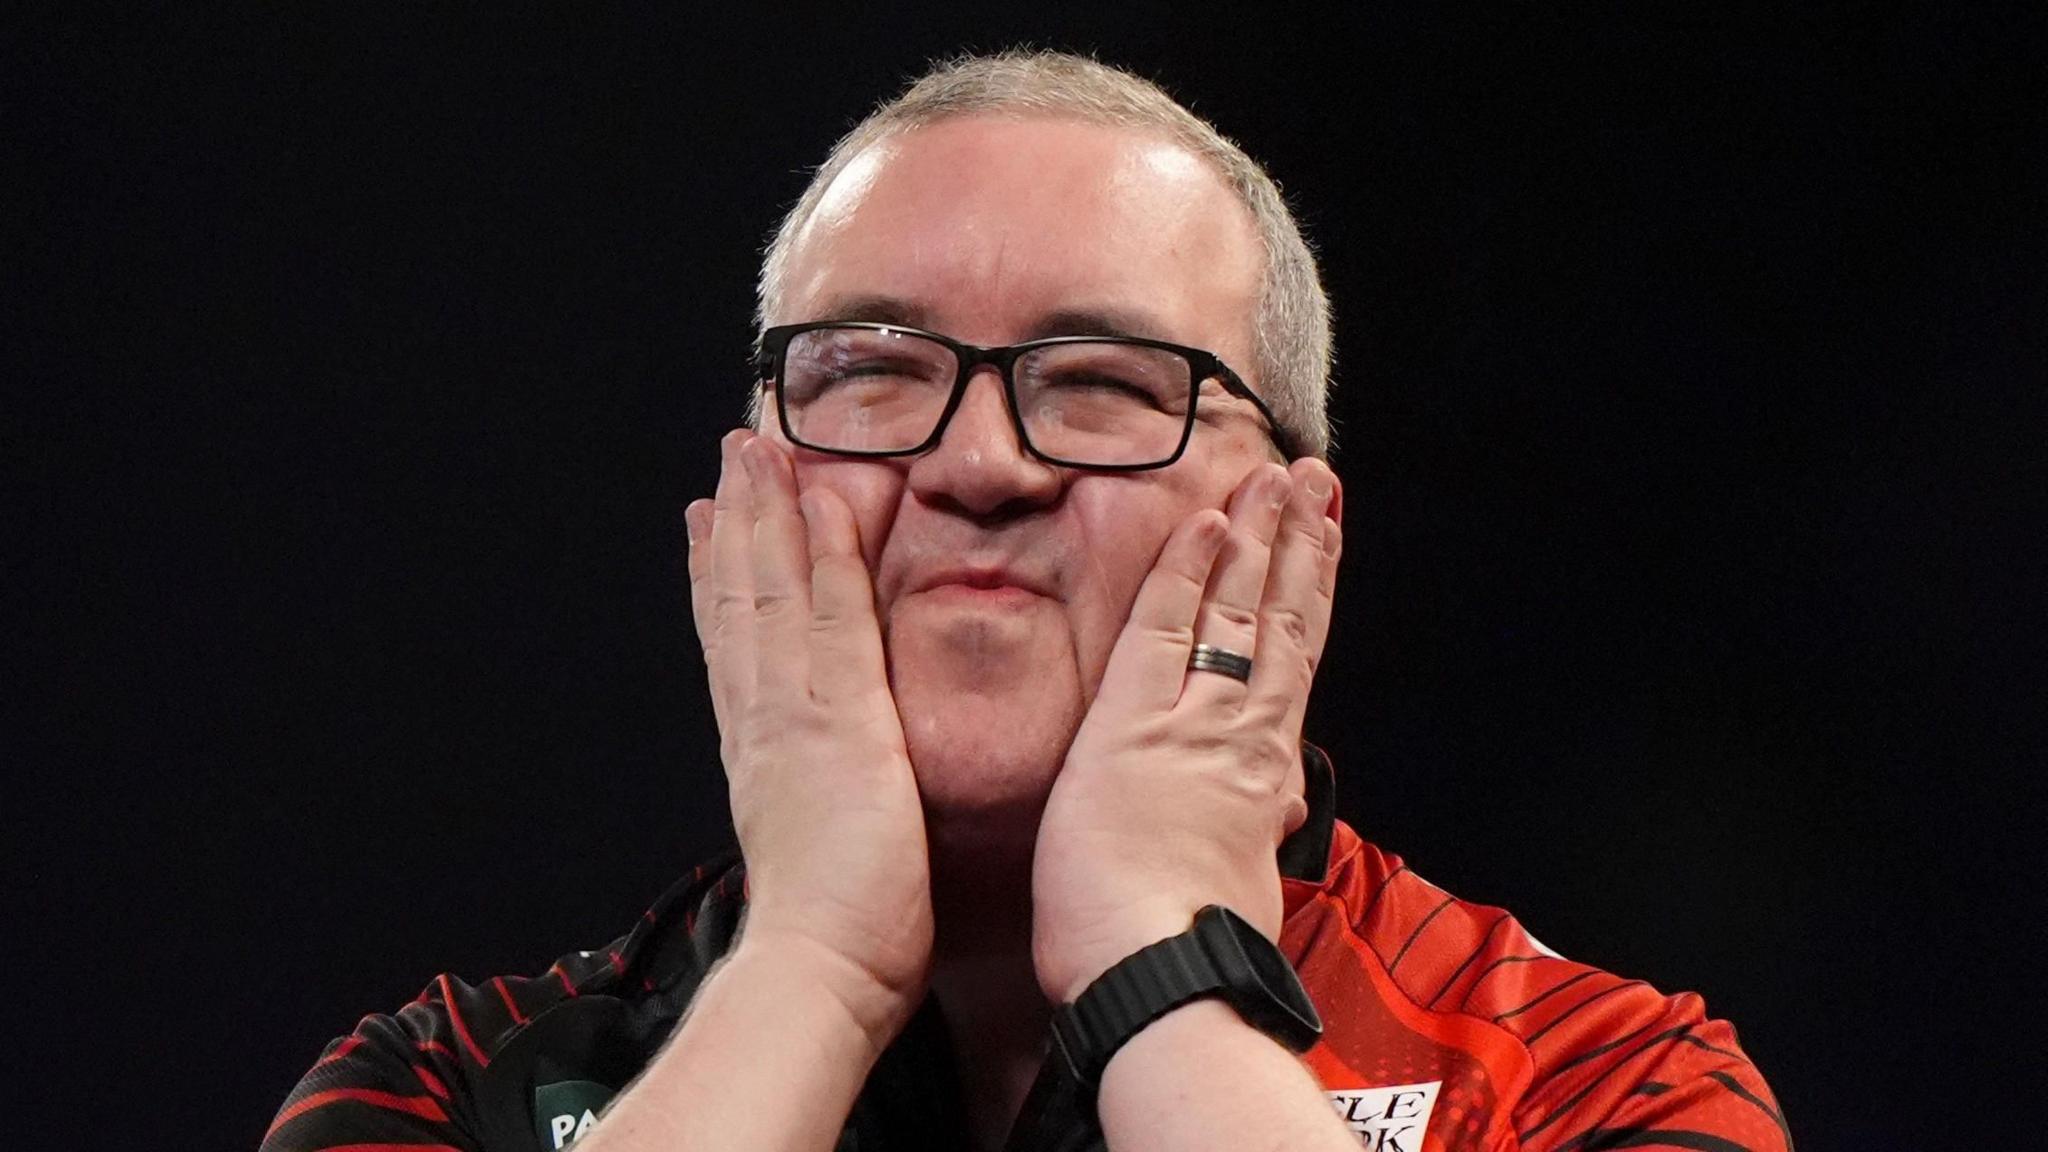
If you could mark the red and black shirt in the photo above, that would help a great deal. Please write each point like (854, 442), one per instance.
(1447, 1027)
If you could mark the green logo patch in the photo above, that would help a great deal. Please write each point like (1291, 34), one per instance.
(566, 1110)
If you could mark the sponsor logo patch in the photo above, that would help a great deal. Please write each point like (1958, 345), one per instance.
(1388, 1119)
(565, 1110)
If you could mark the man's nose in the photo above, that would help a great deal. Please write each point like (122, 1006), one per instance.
(980, 464)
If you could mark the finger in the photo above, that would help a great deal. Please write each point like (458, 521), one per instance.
(697, 527)
(731, 599)
(781, 569)
(845, 638)
(1150, 658)
(732, 537)
(1326, 590)
(1292, 600)
(1326, 585)
(1319, 622)
(1229, 615)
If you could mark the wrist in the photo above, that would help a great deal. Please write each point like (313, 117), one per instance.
(1067, 967)
(1071, 959)
(1075, 941)
(1220, 955)
(1207, 1022)
(845, 990)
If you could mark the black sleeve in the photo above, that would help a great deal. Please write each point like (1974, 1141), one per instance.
(388, 1082)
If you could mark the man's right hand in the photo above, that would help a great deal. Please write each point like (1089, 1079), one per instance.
(823, 797)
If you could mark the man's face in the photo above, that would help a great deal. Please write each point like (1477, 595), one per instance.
(995, 231)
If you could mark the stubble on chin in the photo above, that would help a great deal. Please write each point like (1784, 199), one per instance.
(974, 751)
(986, 755)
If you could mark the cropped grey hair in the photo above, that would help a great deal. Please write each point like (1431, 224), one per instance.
(1291, 333)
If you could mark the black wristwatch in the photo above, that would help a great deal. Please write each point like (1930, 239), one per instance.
(1222, 955)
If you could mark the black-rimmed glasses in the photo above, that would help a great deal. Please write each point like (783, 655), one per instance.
(1110, 403)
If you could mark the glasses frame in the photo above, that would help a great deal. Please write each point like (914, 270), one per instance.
(772, 351)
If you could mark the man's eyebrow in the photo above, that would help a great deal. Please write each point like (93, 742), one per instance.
(1097, 322)
(875, 310)
(1086, 321)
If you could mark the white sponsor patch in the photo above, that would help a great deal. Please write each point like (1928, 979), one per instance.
(1388, 1119)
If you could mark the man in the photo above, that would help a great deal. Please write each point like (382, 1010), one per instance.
(1011, 600)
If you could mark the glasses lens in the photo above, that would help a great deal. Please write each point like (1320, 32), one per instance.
(865, 389)
(1104, 404)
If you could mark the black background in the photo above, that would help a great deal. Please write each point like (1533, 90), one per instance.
(361, 360)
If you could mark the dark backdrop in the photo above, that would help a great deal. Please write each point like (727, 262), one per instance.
(360, 362)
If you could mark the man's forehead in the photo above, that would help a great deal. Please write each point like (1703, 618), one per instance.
(1049, 150)
(1065, 227)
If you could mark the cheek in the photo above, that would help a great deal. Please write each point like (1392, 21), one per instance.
(870, 489)
(1120, 541)
(1125, 521)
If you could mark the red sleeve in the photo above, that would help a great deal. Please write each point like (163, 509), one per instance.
(1618, 1064)
(1487, 1041)
(1631, 1068)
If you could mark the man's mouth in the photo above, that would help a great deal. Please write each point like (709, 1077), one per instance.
(991, 583)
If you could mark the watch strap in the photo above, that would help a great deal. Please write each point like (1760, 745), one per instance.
(1135, 991)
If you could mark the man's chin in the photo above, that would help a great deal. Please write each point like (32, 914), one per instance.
(988, 711)
(985, 763)
(975, 768)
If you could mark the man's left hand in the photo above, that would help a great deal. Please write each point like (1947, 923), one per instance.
(1180, 784)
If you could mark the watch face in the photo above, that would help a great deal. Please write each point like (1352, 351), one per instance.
(1285, 1009)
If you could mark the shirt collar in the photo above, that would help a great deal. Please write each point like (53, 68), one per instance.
(1305, 855)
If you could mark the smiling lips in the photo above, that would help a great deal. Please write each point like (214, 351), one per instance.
(982, 579)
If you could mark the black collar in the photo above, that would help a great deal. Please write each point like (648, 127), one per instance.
(1306, 854)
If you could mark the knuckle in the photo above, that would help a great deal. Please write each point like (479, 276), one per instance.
(1207, 741)
(1236, 615)
(1167, 633)
(1154, 738)
(773, 603)
(1292, 624)
(1309, 530)
(1193, 577)
(1260, 743)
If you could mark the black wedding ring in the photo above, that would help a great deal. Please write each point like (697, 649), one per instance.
(1207, 658)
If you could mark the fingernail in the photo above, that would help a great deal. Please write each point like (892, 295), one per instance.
(1319, 485)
